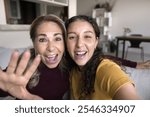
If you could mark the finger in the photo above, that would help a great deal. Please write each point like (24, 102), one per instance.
(2, 77)
(13, 62)
(0, 69)
(33, 67)
(23, 63)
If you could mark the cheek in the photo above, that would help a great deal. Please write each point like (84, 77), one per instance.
(93, 44)
(61, 48)
(90, 45)
(70, 43)
(39, 49)
(91, 48)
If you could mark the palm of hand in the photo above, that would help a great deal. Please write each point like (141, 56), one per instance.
(15, 79)
(14, 85)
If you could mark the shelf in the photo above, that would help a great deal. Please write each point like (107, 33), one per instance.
(51, 2)
(13, 27)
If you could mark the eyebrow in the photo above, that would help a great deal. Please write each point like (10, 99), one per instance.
(41, 35)
(71, 33)
(55, 34)
(84, 32)
(58, 34)
(88, 32)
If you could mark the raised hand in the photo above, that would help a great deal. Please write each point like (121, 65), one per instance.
(14, 80)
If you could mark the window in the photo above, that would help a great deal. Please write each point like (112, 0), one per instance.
(13, 11)
(25, 11)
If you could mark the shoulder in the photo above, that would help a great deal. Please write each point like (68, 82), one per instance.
(109, 69)
(107, 64)
(110, 76)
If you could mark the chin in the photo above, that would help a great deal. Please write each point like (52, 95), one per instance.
(52, 66)
(81, 63)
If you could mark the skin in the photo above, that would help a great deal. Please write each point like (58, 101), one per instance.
(143, 65)
(81, 43)
(14, 81)
(49, 46)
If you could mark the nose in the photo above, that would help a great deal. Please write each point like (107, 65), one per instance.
(50, 46)
(79, 42)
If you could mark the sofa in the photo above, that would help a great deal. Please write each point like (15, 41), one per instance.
(141, 77)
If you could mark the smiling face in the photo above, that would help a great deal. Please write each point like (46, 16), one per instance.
(49, 43)
(81, 41)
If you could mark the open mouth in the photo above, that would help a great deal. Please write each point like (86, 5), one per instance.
(80, 55)
(51, 59)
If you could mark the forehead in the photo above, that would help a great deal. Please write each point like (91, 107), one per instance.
(80, 26)
(48, 27)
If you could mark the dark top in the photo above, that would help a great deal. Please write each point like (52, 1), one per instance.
(53, 84)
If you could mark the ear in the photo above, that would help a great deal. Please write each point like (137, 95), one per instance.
(96, 42)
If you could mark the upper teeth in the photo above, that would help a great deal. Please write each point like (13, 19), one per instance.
(80, 53)
(50, 56)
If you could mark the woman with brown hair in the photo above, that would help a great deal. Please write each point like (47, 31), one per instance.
(50, 81)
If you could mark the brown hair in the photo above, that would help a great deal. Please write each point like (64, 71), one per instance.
(46, 18)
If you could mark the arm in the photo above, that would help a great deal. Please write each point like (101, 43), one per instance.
(14, 80)
(143, 65)
(126, 92)
(116, 82)
(129, 63)
(124, 62)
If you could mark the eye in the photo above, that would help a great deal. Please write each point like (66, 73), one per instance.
(72, 37)
(58, 38)
(87, 36)
(42, 39)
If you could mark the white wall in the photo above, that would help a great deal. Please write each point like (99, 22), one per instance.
(72, 8)
(15, 39)
(2, 13)
(133, 14)
(125, 13)
(84, 7)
